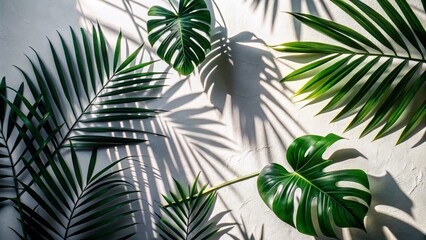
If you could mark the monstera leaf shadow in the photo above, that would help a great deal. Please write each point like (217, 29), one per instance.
(381, 225)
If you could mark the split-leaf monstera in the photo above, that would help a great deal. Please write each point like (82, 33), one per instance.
(382, 80)
(321, 199)
(186, 33)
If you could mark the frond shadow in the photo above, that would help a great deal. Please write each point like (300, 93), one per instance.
(246, 234)
(271, 8)
(313, 7)
(237, 77)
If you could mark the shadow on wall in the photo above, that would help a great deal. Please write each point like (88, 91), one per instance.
(195, 143)
(130, 12)
(240, 79)
(237, 79)
(380, 225)
(271, 10)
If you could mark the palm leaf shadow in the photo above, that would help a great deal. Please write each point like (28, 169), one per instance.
(270, 9)
(131, 9)
(237, 76)
(244, 232)
(313, 7)
(195, 143)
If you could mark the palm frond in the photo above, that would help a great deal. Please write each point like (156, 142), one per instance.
(25, 127)
(397, 77)
(187, 213)
(93, 95)
(88, 207)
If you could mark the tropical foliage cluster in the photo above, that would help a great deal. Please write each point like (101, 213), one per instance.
(59, 118)
(75, 105)
(367, 75)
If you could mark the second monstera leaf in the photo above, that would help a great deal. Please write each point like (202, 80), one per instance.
(321, 199)
(186, 33)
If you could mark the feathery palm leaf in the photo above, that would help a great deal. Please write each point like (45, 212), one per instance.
(68, 204)
(94, 94)
(397, 77)
(186, 33)
(186, 215)
(25, 139)
(346, 206)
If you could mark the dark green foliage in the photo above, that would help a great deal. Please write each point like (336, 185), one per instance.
(77, 103)
(186, 215)
(93, 94)
(345, 206)
(390, 80)
(68, 204)
(186, 33)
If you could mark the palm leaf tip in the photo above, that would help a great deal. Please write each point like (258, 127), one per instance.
(185, 33)
(277, 188)
(187, 214)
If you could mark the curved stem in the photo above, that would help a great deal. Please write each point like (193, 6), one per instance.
(228, 183)
(222, 185)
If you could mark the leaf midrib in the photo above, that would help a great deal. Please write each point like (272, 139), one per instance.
(422, 60)
(15, 182)
(179, 23)
(89, 105)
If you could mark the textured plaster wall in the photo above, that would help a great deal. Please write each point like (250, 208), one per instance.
(232, 117)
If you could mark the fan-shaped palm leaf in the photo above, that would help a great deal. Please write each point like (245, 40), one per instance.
(395, 82)
(321, 199)
(186, 214)
(186, 33)
(92, 94)
(68, 204)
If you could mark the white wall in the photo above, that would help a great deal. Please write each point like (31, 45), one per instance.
(233, 116)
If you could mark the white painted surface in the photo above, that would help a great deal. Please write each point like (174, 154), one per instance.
(233, 117)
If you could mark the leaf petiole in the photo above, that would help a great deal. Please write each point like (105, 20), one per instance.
(222, 185)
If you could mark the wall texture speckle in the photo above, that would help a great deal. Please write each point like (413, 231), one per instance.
(232, 116)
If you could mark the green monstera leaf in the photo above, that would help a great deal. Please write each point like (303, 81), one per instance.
(321, 199)
(186, 32)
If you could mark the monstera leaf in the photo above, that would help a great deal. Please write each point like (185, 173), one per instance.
(378, 75)
(321, 199)
(186, 33)
(187, 214)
